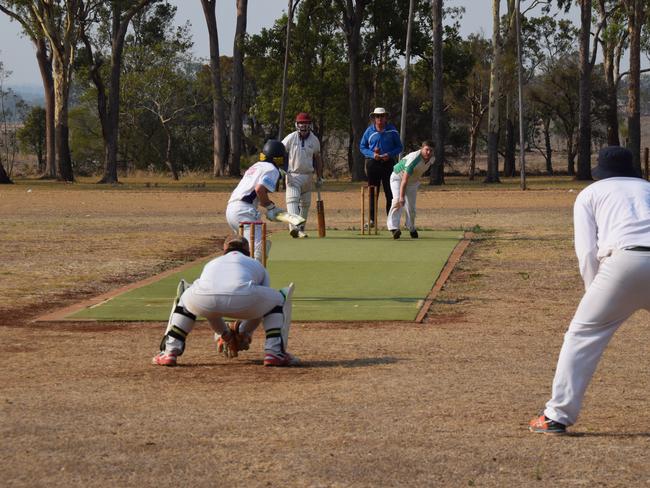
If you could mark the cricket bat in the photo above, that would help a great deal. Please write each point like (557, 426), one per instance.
(320, 210)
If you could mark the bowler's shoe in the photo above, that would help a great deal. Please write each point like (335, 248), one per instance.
(544, 425)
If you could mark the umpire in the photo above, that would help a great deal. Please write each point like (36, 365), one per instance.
(381, 145)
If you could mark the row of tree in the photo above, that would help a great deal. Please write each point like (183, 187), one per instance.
(122, 88)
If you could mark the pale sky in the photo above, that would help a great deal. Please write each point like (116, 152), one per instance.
(17, 52)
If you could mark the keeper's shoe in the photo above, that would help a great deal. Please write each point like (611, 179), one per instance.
(414, 234)
(302, 234)
(165, 358)
(396, 233)
(544, 425)
(280, 359)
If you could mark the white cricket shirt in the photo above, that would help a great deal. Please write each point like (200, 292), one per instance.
(301, 152)
(262, 172)
(610, 214)
(231, 274)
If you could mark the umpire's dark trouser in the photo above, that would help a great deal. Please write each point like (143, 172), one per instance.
(378, 173)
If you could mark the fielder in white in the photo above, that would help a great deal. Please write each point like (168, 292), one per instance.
(303, 148)
(253, 190)
(404, 183)
(612, 242)
(233, 285)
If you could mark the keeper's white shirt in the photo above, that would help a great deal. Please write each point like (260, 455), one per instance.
(231, 274)
(301, 152)
(261, 172)
(608, 215)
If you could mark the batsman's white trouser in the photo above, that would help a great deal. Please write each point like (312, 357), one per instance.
(240, 211)
(251, 303)
(410, 195)
(619, 289)
(299, 195)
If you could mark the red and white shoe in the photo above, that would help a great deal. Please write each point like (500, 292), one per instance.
(165, 358)
(280, 359)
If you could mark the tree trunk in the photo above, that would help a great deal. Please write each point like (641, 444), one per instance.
(236, 125)
(493, 112)
(45, 68)
(473, 136)
(61, 129)
(4, 177)
(511, 140)
(584, 124)
(437, 176)
(219, 155)
(548, 156)
(571, 156)
(636, 18)
(352, 20)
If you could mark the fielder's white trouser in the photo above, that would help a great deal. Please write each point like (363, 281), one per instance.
(299, 195)
(240, 211)
(251, 303)
(395, 214)
(619, 289)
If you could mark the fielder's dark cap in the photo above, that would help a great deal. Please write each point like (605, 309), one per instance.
(614, 161)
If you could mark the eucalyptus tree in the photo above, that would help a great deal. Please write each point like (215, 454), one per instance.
(613, 39)
(636, 13)
(105, 43)
(493, 109)
(21, 12)
(61, 22)
(437, 176)
(352, 14)
(219, 129)
(236, 102)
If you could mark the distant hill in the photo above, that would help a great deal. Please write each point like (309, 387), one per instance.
(31, 94)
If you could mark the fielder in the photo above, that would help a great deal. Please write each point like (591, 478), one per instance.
(259, 180)
(612, 242)
(404, 183)
(303, 148)
(237, 286)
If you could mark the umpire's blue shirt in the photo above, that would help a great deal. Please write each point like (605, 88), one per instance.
(387, 141)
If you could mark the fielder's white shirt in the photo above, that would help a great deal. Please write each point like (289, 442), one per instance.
(231, 274)
(262, 172)
(610, 214)
(301, 152)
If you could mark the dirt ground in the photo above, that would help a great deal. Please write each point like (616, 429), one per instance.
(444, 403)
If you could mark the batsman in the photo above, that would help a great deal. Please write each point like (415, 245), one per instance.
(303, 148)
(232, 285)
(253, 190)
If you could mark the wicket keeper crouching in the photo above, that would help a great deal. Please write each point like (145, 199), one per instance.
(233, 285)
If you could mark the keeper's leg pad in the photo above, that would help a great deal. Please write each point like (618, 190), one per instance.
(181, 322)
(277, 323)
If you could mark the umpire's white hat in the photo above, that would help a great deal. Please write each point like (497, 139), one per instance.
(378, 111)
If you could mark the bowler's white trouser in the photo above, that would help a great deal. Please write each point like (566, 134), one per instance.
(241, 211)
(299, 195)
(620, 288)
(410, 194)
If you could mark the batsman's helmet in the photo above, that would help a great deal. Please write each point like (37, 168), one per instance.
(303, 121)
(274, 152)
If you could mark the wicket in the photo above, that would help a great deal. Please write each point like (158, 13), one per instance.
(371, 194)
(252, 234)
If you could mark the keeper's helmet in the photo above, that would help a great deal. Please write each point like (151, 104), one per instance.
(303, 122)
(274, 152)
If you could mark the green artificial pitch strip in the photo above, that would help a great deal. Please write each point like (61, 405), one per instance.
(342, 277)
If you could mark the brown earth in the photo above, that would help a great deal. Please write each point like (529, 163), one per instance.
(444, 403)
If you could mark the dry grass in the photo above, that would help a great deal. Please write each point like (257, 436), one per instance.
(388, 404)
